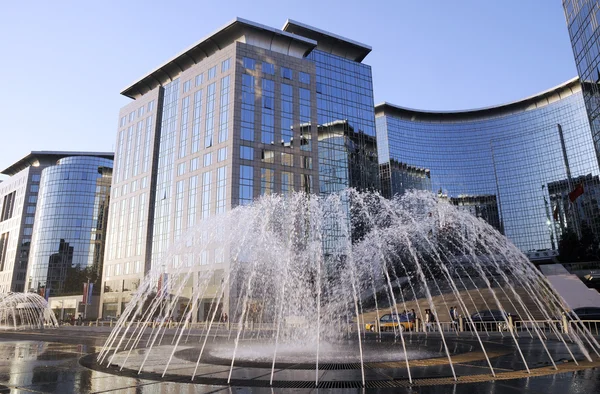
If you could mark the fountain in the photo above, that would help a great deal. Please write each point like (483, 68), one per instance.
(20, 311)
(290, 282)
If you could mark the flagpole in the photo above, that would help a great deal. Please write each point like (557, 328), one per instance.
(87, 301)
(569, 180)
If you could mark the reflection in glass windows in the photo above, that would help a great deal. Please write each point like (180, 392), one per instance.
(70, 226)
(267, 135)
(287, 115)
(246, 184)
(210, 114)
(224, 113)
(247, 123)
(504, 164)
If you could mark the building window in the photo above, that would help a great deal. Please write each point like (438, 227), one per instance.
(267, 156)
(210, 115)
(247, 121)
(179, 186)
(151, 106)
(267, 125)
(224, 113)
(206, 192)
(287, 115)
(194, 164)
(141, 111)
(306, 162)
(287, 182)
(304, 77)
(267, 181)
(287, 159)
(180, 169)
(197, 121)
(8, 205)
(192, 195)
(225, 65)
(199, 79)
(306, 183)
(268, 68)
(3, 249)
(148, 143)
(212, 72)
(132, 116)
(187, 85)
(286, 73)
(183, 135)
(222, 154)
(208, 159)
(248, 63)
(221, 189)
(246, 184)
(246, 152)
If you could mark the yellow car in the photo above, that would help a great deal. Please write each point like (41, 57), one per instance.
(391, 322)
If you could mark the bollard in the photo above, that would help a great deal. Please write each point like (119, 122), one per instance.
(110, 325)
(417, 324)
(461, 324)
(510, 323)
(565, 324)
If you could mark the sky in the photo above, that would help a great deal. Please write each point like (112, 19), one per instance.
(64, 63)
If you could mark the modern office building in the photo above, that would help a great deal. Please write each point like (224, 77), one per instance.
(502, 163)
(18, 205)
(246, 111)
(68, 240)
(583, 19)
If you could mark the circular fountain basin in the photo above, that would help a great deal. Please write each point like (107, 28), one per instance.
(259, 353)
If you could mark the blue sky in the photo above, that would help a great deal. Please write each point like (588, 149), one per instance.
(65, 62)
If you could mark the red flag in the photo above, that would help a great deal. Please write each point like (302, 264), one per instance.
(555, 213)
(85, 294)
(578, 191)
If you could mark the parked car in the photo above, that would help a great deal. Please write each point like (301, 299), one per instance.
(490, 319)
(392, 322)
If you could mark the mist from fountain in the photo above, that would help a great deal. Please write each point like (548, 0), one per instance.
(298, 271)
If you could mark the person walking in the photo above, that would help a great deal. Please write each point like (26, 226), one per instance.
(454, 317)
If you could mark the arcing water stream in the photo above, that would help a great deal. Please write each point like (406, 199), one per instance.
(290, 276)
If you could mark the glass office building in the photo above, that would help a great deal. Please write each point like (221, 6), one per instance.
(70, 224)
(583, 19)
(513, 165)
(19, 203)
(247, 111)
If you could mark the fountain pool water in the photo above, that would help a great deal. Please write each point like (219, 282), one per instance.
(295, 279)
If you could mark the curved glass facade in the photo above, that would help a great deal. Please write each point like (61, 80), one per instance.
(68, 240)
(513, 165)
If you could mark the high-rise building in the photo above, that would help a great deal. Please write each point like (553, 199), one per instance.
(248, 110)
(583, 19)
(499, 162)
(18, 205)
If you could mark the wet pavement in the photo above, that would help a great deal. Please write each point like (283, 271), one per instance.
(49, 362)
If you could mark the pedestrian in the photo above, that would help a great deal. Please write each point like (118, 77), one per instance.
(454, 317)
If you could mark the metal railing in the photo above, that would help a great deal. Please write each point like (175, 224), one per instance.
(461, 325)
